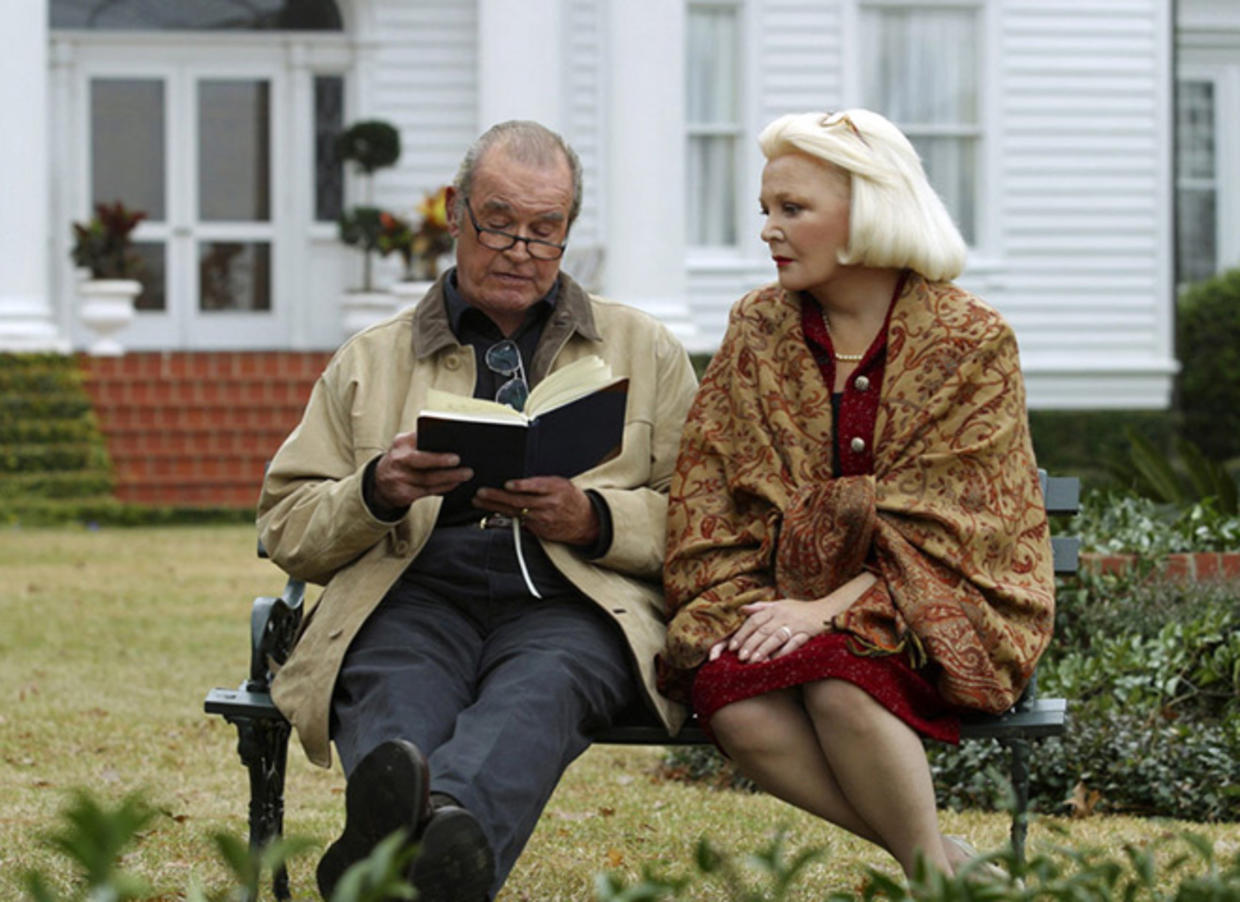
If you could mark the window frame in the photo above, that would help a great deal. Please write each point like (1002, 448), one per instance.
(736, 130)
(984, 246)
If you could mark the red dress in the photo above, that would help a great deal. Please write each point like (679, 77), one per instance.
(909, 693)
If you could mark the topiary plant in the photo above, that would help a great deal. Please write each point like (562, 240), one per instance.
(371, 144)
(1208, 346)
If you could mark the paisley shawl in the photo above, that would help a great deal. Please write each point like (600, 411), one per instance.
(951, 521)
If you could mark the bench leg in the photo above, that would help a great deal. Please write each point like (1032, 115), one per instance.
(262, 744)
(1020, 787)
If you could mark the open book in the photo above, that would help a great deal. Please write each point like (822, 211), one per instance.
(573, 420)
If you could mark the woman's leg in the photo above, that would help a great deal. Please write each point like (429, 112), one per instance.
(881, 769)
(773, 742)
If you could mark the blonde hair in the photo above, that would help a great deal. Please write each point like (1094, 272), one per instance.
(897, 220)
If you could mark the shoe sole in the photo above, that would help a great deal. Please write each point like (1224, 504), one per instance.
(454, 861)
(386, 792)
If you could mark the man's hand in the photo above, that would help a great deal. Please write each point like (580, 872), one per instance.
(550, 507)
(404, 474)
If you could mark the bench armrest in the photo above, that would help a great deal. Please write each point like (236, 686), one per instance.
(274, 625)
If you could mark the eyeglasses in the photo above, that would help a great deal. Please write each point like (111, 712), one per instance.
(501, 241)
(833, 119)
(504, 358)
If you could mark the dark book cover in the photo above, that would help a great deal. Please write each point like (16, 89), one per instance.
(563, 441)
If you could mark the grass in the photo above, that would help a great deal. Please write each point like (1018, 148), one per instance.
(109, 639)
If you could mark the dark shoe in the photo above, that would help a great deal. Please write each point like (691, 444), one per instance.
(387, 791)
(455, 862)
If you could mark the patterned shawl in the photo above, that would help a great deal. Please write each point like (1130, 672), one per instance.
(951, 521)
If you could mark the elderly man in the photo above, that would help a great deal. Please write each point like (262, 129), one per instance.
(458, 677)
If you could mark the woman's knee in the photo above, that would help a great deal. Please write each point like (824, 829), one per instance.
(840, 705)
(751, 724)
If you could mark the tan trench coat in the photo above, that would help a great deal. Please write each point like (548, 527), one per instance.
(315, 525)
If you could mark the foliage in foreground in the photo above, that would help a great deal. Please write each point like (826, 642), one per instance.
(94, 837)
(770, 875)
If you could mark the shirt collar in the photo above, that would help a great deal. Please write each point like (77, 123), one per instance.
(458, 306)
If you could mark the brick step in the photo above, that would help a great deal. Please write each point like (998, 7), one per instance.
(236, 392)
(259, 365)
(205, 494)
(222, 417)
(221, 468)
(263, 441)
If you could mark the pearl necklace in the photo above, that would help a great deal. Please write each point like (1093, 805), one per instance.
(842, 358)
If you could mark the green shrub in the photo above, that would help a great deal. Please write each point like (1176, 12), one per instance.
(1208, 346)
(1080, 875)
(1084, 442)
(1121, 523)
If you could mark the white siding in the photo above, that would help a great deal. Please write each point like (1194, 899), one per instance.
(419, 72)
(585, 113)
(1083, 185)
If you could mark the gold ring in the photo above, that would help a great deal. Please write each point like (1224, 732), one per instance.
(524, 512)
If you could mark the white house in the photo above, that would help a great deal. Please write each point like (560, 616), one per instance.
(1048, 125)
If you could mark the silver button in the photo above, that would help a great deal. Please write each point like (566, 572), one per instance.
(857, 445)
(861, 383)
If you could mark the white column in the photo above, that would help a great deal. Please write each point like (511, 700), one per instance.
(27, 322)
(645, 172)
(521, 62)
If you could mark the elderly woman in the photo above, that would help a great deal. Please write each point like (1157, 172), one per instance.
(857, 546)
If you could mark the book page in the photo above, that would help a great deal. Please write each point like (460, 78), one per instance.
(576, 380)
(438, 401)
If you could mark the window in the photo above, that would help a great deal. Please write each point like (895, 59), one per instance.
(1196, 185)
(194, 15)
(712, 109)
(328, 170)
(934, 96)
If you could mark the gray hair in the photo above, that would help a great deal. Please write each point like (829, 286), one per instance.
(526, 142)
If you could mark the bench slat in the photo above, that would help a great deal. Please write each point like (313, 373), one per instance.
(1043, 717)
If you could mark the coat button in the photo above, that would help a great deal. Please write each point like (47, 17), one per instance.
(453, 362)
(861, 383)
(402, 549)
(857, 445)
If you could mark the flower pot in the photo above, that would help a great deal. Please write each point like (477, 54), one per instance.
(410, 292)
(360, 309)
(107, 306)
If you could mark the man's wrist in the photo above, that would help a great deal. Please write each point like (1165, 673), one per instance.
(602, 516)
(370, 494)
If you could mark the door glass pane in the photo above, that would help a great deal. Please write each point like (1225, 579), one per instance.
(154, 276)
(234, 276)
(287, 15)
(234, 150)
(328, 171)
(127, 144)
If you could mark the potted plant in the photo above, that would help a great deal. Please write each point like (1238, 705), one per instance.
(370, 145)
(104, 246)
(420, 248)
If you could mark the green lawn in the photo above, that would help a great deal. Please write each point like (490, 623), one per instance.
(109, 640)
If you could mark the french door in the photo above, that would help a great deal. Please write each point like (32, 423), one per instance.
(197, 145)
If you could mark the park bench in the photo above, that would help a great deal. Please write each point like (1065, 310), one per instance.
(263, 733)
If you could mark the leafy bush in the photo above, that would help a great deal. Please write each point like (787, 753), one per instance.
(1208, 346)
(93, 836)
(1118, 522)
(1083, 875)
(1084, 442)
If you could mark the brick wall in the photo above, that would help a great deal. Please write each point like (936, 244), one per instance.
(196, 428)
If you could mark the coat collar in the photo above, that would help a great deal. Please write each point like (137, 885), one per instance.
(432, 329)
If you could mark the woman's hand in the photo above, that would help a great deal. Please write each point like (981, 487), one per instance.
(773, 629)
